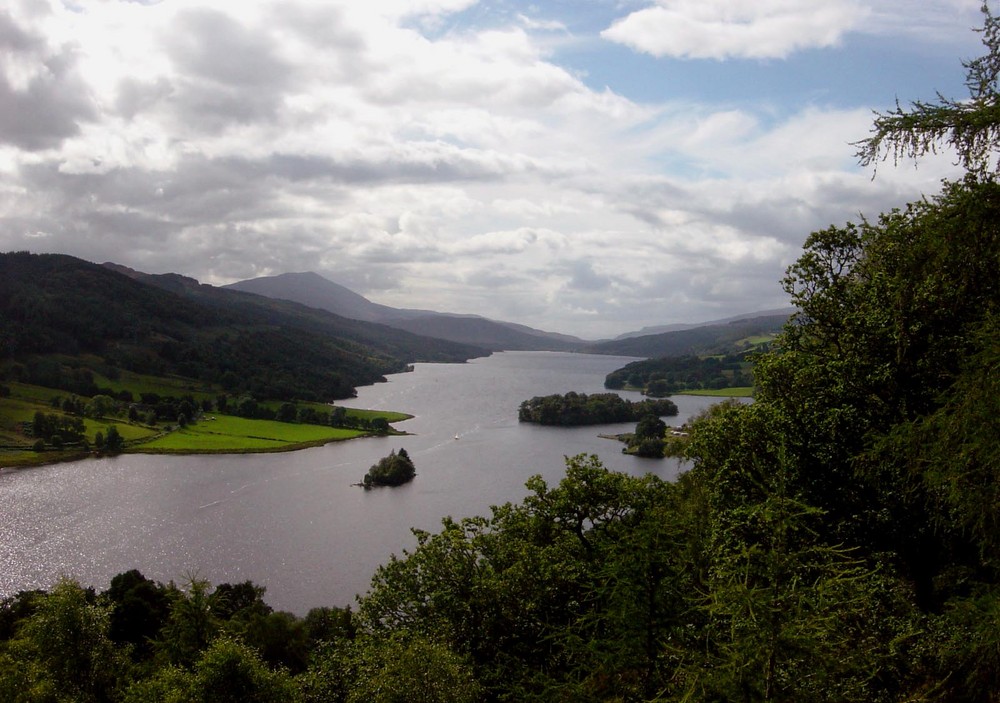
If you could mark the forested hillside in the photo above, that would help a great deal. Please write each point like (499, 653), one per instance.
(836, 540)
(674, 374)
(707, 339)
(383, 339)
(53, 304)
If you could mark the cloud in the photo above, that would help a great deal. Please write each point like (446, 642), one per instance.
(584, 277)
(44, 98)
(776, 29)
(721, 29)
(425, 159)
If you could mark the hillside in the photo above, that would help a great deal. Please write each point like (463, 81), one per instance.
(660, 329)
(55, 304)
(706, 339)
(409, 346)
(315, 291)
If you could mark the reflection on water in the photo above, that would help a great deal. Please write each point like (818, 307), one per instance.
(293, 522)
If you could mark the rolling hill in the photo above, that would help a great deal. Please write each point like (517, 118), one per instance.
(56, 310)
(706, 339)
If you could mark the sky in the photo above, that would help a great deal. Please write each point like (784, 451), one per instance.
(588, 167)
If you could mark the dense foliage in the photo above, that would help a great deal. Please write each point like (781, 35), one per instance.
(669, 375)
(649, 437)
(145, 642)
(393, 470)
(597, 409)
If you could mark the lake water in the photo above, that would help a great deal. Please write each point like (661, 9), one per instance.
(293, 522)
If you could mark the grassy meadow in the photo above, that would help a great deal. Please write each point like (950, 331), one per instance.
(226, 433)
(735, 392)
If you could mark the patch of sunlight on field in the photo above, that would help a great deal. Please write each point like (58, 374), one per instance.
(192, 440)
(389, 415)
(736, 392)
(228, 433)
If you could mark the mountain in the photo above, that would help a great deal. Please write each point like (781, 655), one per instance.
(496, 336)
(410, 346)
(169, 324)
(311, 289)
(660, 329)
(704, 339)
(316, 291)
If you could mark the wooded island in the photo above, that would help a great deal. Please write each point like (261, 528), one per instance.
(574, 409)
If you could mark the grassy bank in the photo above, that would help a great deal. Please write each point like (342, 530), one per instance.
(226, 433)
(736, 392)
(212, 432)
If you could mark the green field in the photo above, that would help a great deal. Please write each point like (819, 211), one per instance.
(736, 392)
(213, 433)
(389, 415)
(235, 434)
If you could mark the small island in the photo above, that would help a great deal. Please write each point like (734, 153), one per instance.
(573, 409)
(393, 470)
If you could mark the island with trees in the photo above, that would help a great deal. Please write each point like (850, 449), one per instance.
(649, 438)
(573, 409)
(393, 470)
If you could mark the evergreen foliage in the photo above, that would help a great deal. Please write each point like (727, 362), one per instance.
(971, 126)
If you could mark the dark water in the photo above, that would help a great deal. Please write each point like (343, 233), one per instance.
(293, 522)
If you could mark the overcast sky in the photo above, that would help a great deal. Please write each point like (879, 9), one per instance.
(582, 166)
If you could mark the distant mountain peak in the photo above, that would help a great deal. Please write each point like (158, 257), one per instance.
(317, 291)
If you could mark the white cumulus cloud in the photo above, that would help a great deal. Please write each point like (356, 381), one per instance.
(722, 29)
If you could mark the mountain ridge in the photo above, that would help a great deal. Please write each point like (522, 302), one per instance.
(315, 290)
(705, 339)
(681, 326)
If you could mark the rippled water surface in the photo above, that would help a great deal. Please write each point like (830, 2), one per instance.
(293, 522)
